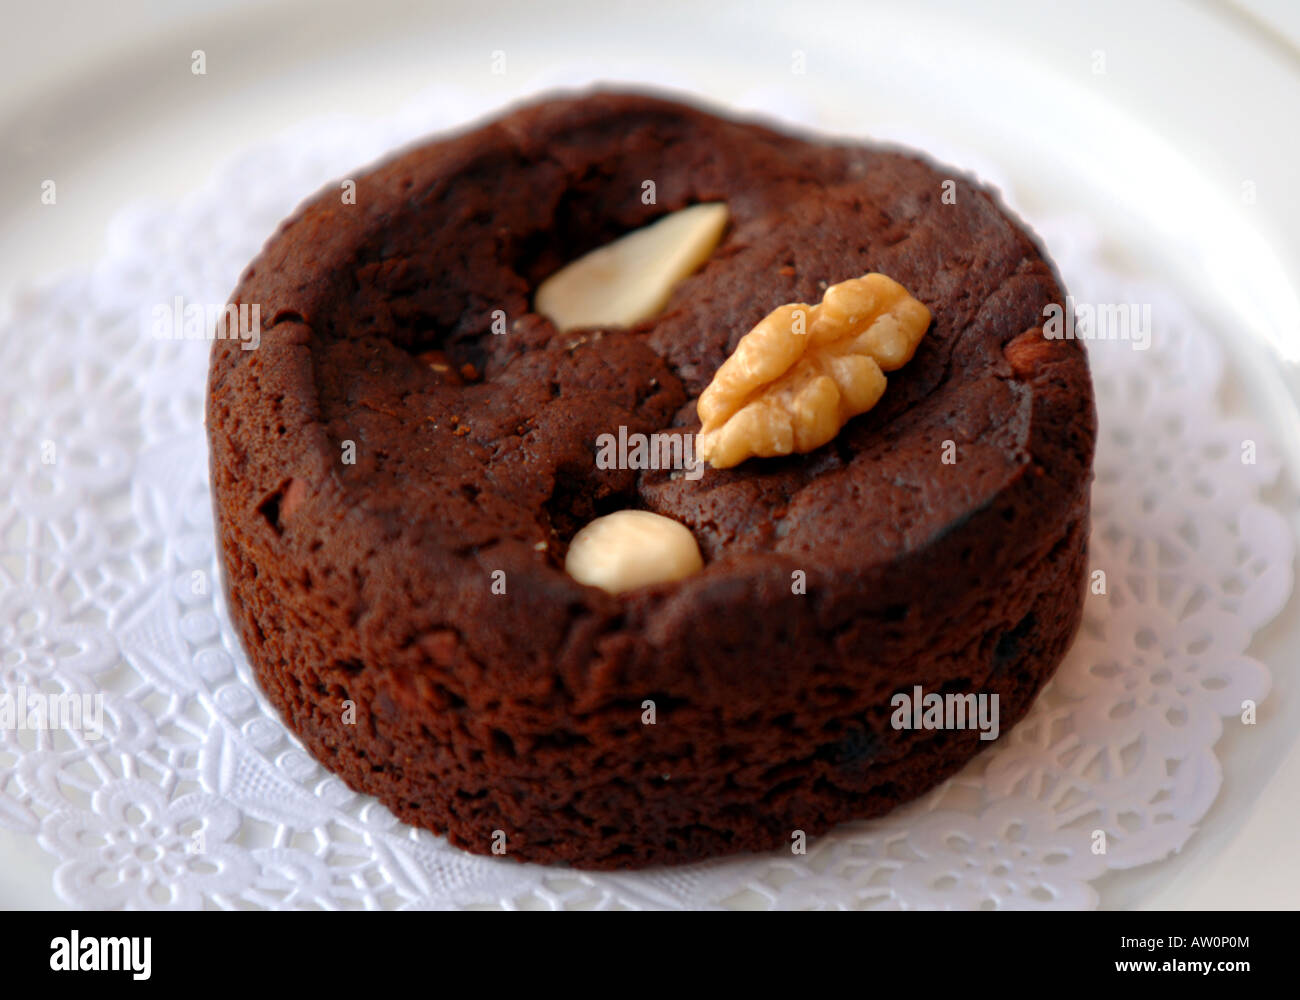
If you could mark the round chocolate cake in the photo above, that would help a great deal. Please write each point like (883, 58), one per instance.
(401, 464)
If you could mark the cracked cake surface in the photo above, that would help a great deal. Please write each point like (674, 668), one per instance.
(367, 499)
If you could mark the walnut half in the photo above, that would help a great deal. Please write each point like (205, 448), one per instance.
(804, 371)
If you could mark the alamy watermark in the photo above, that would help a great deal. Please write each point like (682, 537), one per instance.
(649, 451)
(70, 711)
(918, 710)
(179, 320)
(1129, 321)
(75, 953)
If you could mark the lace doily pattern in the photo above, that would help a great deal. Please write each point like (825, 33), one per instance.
(190, 792)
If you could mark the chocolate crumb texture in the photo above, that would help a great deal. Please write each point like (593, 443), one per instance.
(399, 467)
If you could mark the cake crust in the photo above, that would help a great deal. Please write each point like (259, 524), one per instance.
(371, 582)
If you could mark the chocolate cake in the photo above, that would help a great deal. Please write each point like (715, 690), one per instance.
(399, 468)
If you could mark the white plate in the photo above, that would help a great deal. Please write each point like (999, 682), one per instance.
(1153, 119)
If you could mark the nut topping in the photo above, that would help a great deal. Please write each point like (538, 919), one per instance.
(804, 371)
(632, 548)
(630, 279)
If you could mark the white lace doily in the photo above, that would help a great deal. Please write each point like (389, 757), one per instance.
(196, 795)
